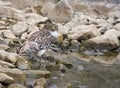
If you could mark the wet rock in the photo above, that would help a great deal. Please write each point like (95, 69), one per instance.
(6, 64)
(83, 32)
(42, 83)
(17, 74)
(107, 41)
(19, 28)
(16, 86)
(67, 64)
(4, 47)
(6, 79)
(8, 34)
(52, 67)
(37, 73)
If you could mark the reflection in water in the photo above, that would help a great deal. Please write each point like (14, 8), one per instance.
(89, 71)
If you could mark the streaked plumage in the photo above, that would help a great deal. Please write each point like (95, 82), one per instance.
(38, 43)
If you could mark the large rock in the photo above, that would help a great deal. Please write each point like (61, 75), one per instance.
(9, 12)
(6, 79)
(19, 28)
(60, 12)
(17, 74)
(83, 32)
(107, 41)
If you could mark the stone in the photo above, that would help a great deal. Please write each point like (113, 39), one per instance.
(32, 29)
(9, 12)
(24, 36)
(62, 29)
(38, 87)
(4, 78)
(22, 63)
(19, 28)
(52, 67)
(16, 74)
(6, 64)
(117, 26)
(8, 34)
(68, 85)
(33, 18)
(83, 32)
(60, 12)
(37, 73)
(16, 86)
(4, 47)
(107, 41)
(42, 82)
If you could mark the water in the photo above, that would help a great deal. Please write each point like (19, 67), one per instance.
(89, 72)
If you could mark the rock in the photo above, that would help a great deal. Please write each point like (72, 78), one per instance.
(8, 34)
(107, 41)
(68, 85)
(24, 36)
(4, 47)
(34, 18)
(42, 82)
(32, 29)
(37, 73)
(117, 26)
(67, 64)
(22, 63)
(60, 12)
(17, 74)
(52, 67)
(62, 29)
(9, 12)
(83, 32)
(6, 79)
(16, 86)
(38, 87)
(19, 28)
(6, 64)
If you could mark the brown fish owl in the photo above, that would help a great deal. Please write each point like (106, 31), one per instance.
(39, 42)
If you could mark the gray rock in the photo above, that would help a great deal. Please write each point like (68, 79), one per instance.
(24, 36)
(6, 79)
(19, 28)
(117, 26)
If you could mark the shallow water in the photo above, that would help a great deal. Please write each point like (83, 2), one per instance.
(89, 71)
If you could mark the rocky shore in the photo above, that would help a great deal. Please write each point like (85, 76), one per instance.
(85, 27)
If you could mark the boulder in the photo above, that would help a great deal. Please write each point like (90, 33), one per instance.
(83, 32)
(8, 34)
(107, 41)
(60, 12)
